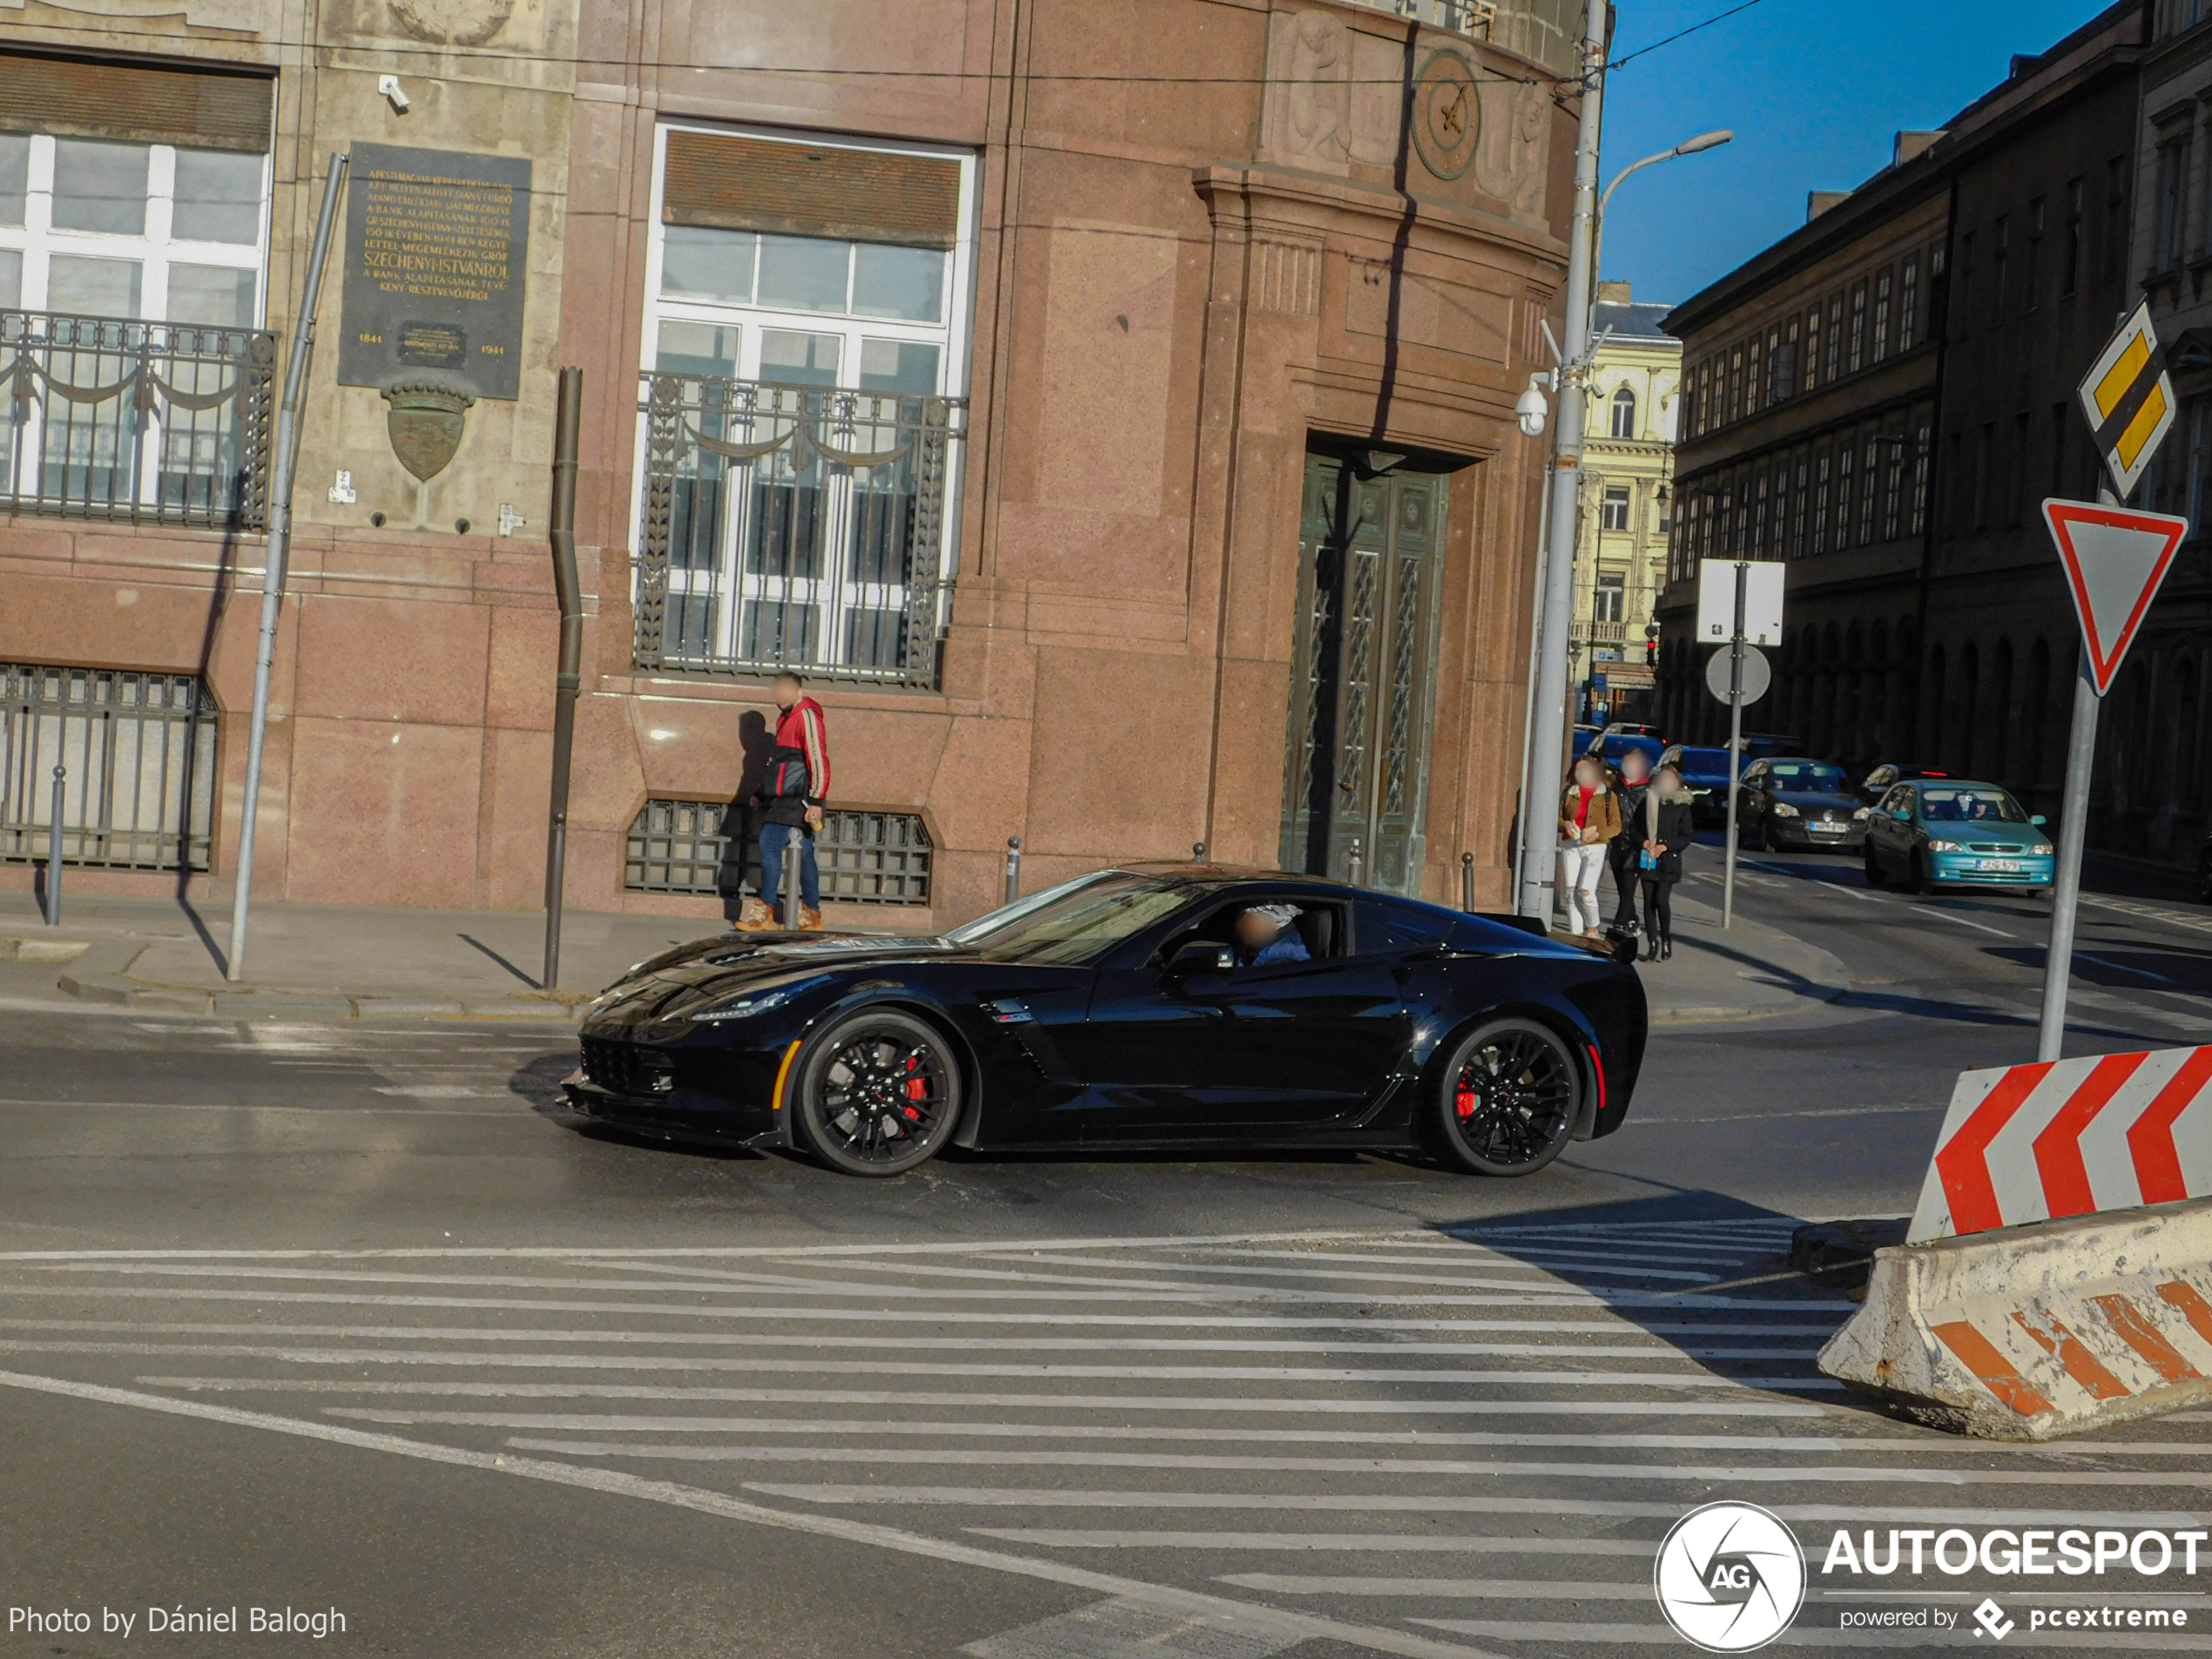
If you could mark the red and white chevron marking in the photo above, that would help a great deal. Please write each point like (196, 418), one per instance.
(2067, 1137)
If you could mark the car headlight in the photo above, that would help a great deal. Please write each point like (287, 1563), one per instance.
(1783, 809)
(1862, 814)
(1944, 847)
(2040, 850)
(748, 1003)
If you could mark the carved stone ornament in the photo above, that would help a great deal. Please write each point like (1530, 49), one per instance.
(1448, 114)
(425, 423)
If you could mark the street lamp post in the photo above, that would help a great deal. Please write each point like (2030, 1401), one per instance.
(1545, 756)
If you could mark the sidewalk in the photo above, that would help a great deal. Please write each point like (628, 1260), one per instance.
(323, 962)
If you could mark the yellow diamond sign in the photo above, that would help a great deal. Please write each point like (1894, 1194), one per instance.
(2128, 400)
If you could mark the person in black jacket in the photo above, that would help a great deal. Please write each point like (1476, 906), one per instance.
(1667, 833)
(1621, 855)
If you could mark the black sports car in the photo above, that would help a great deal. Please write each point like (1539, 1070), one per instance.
(1120, 1009)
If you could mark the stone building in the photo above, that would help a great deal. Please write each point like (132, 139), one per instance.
(1627, 495)
(1882, 398)
(1108, 406)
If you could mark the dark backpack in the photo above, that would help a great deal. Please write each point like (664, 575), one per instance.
(788, 777)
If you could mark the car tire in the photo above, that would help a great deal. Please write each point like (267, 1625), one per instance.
(1507, 1097)
(877, 1093)
(1920, 880)
(1876, 875)
(1767, 843)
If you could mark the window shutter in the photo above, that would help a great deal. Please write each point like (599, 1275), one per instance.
(80, 98)
(741, 184)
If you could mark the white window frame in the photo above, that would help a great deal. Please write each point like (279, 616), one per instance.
(155, 249)
(830, 593)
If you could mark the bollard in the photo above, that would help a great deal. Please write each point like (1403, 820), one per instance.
(1356, 867)
(1013, 868)
(1197, 851)
(790, 881)
(54, 854)
(1466, 882)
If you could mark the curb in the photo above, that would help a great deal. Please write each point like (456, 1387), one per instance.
(16, 949)
(102, 976)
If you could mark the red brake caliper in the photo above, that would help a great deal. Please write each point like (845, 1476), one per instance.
(1463, 1102)
(917, 1088)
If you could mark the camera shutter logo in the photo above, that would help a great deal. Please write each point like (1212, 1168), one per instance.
(1730, 1577)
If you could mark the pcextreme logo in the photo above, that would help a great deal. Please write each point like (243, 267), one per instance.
(1730, 1577)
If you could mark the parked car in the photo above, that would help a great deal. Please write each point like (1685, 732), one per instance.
(1758, 745)
(1585, 738)
(1930, 832)
(1793, 803)
(1879, 782)
(1118, 1010)
(1706, 772)
(1631, 729)
(1614, 745)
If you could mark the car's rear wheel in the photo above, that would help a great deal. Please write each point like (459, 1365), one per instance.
(1922, 882)
(1876, 875)
(1507, 1098)
(879, 1093)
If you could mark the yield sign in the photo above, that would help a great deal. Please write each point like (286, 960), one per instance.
(2114, 560)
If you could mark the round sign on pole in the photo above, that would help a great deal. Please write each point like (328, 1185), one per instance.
(1758, 677)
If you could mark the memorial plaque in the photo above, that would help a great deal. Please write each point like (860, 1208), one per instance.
(437, 245)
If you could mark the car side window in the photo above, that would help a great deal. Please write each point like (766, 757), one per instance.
(1320, 924)
(1881, 776)
(1389, 928)
(1898, 800)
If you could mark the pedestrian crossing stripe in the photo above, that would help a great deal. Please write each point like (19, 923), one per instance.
(2129, 400)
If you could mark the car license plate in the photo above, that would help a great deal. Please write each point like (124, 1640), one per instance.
(1997, 864)
(1828, 829)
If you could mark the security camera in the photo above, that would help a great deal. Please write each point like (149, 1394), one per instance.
(1531, 410)
(389, 86)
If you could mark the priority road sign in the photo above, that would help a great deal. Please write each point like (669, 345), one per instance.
(1758, 677)
(2114, 560)
(2129, 400)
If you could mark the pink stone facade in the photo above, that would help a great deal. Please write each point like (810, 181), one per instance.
(1202, 244)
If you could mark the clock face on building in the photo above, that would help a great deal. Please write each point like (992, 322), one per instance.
(1445, 114)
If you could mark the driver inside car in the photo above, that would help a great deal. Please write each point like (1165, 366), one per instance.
(1264, 935)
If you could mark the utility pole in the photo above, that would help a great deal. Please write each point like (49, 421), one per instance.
(1548, 736)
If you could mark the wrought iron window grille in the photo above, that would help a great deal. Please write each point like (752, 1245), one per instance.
(710, 848)
(138, 754)
(146, 422)
(787, 526)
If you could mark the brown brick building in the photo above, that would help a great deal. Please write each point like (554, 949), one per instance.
(1108, 406)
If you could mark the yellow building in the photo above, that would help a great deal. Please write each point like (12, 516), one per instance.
(1627, 469)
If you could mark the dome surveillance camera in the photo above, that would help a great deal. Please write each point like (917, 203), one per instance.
(1531, 410)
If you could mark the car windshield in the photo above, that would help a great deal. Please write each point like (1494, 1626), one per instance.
(1807, 777)
(1074, 920)
(1973, 803)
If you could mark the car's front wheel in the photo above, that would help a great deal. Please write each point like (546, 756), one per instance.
(1922, 882)
(1876, 876)
(879, 1093)
(1507, 1097)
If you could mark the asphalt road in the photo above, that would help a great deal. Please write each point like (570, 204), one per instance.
(343, 1318)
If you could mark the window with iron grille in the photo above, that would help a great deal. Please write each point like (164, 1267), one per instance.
(138, 757)
(709, 847)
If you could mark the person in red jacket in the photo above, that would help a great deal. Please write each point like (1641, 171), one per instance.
(790, 801)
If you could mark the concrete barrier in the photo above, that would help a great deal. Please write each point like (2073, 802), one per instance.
(2032, 1331)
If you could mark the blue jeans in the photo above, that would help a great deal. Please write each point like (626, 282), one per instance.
(772, 837)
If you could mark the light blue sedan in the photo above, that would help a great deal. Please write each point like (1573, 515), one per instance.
(1931, 833)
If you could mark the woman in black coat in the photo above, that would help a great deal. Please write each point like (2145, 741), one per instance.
(1667, 836)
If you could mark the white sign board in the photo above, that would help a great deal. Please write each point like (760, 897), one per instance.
(1717, 601)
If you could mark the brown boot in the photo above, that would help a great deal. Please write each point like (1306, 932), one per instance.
(809, 919)
(754, 916)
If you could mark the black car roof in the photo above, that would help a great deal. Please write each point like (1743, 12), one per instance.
(1228, 875)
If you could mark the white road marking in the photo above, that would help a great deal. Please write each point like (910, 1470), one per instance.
(1952, 915)
(2122, 967)
(1537, 1589)
(1306, 1627)
(1114, 1629)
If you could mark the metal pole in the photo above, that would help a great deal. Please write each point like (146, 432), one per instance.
(791, 877)
(1466, 881)
(1528, 697)
(569, 678)
(1552, 717)
(1356, 867)
(1013, 868)
(1197, 851)
(54, 853)
(2066, 882)
(286, 463)
(1735, 745)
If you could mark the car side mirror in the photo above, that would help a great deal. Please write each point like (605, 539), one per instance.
(1902, 814)
(2040, 821)
(1200, 957)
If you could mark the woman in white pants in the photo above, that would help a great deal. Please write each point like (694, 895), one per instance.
(1589, 817)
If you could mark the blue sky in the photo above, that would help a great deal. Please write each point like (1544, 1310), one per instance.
(1814, 90)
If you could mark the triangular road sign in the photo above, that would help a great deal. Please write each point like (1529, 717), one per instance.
(2114, 560)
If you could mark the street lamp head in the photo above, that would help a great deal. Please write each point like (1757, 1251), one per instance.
(1703, 141)
(1531, 410)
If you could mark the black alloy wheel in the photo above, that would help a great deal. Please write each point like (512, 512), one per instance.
(1507, 1098)
(879, 1093)
(1876, 876)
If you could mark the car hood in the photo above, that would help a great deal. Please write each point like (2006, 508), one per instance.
(1987, 834)
(1818, 800)
(674, 984)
